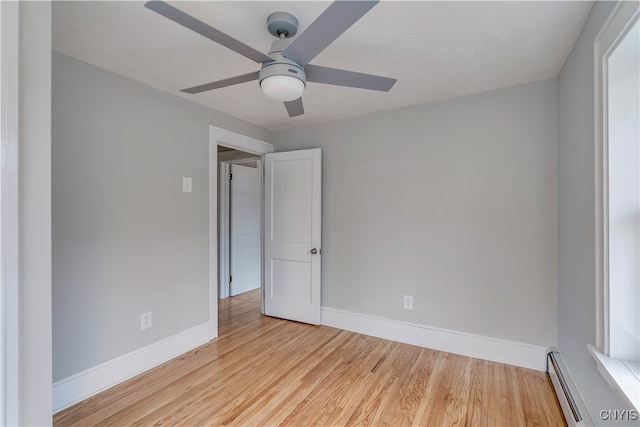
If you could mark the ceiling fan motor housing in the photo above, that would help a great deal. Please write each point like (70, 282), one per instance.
(282, 66)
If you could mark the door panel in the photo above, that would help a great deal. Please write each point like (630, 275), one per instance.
(292, 229)
(244, 218)
(286, 275)
(292, 198)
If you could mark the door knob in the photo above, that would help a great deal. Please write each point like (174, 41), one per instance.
(314, 251)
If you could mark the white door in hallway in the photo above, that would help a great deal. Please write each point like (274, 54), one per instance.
(293, 185)
(244, 218)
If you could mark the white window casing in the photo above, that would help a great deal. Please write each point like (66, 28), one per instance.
(617, 257)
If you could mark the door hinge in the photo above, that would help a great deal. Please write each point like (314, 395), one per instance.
(230, 279)
(230, 176)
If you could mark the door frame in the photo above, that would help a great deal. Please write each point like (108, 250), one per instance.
(224, 224)
(9, 192)
(219, 136)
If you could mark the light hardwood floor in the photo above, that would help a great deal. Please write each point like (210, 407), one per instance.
(263, 371)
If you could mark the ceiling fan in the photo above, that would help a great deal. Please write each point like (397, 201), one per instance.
(286, 69)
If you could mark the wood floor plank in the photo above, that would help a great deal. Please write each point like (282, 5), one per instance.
(384, 377)
(394, 376)
(498, 396)
(515, 397)
(429, 393)
(320, 366)
(262, 371)
(458, 396)
(442, 388)
(413, 392)
(353, 388)
(478, 403)
(322, 398)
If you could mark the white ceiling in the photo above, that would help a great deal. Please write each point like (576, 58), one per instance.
(436, 50)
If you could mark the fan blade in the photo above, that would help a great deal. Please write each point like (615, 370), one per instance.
(223, 83)
(335, 76)
(203, 29)
(295, 108)
(334, 21)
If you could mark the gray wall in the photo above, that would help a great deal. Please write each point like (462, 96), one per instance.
(576, 217)
(126, 240)
(34, 377)
(452, 202)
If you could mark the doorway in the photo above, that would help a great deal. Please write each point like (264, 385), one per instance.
(240, 222)
(228, 142)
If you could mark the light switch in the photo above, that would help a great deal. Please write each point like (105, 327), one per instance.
(186, 184)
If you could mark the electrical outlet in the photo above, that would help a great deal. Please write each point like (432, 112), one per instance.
(408, 302)
(145, 321)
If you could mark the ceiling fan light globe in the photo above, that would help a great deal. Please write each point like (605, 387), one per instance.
(282, 88)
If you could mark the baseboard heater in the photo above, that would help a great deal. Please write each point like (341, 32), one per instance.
(563, 387)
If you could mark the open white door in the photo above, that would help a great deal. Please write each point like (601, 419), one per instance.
(293, 185)
(245, 201)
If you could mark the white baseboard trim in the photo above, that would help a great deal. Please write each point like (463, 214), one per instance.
(82, 385)
(478, 346)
